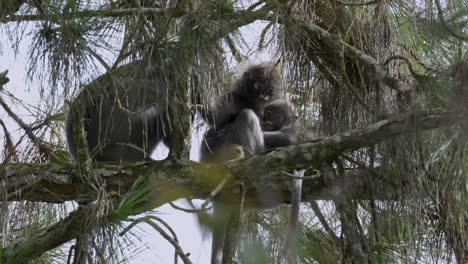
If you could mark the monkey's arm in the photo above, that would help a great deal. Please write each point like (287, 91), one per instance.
(224, 111)
(276, 139)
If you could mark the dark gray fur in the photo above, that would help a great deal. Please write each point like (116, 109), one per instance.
(279, 125)
(127, 109)
(258, 85)
(245, 131)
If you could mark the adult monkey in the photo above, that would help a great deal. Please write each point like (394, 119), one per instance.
(235, 122)
(258, 85)
(281, 128)
(123, 113)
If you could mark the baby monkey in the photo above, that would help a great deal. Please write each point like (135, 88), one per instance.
(279, 125)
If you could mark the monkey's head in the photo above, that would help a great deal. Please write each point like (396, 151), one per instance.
(278, 114)
(260, 83)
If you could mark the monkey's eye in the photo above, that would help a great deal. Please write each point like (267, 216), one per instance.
(267, 89)
(258, 86)
(280, 118)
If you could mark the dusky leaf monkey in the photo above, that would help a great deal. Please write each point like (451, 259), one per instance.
(258, 85)
(281, 128)
(235, 121)
(279, 125)
(124, 113)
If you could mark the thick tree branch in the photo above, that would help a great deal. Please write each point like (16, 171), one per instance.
(92, 13)
(334, 42)
(3, 78)
(32, 246)
(174, 12)
(52, 183)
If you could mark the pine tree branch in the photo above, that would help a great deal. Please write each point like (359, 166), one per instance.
(247, 14)
(92, 13)
(34, 245)
(53, 183)
(335, 43)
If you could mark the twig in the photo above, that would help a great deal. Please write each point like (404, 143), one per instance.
(357, 4)
(322, 220)
(3, 78)
(173, 205)
(255, 5)
(21, 123)
(400, 57)
(10, 148)
(361, 165)
(174, 235)
(216, 190)
(173, 240)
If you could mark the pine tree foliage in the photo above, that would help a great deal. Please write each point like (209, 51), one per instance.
(384, 85)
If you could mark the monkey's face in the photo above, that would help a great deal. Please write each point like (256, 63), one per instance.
(277, 115)
(274, 120)
(267, 84)
(263, 90)
(261, 82)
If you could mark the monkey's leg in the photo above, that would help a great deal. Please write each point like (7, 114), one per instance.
(277, 139)
(219, 233)
(226, 210)
(291, 241)
(220, 146)
(225, 228)
(247, 132)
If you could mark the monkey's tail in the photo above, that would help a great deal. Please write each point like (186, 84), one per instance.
(291, 240)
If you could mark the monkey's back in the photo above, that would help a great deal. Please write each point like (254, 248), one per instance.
(122, 114)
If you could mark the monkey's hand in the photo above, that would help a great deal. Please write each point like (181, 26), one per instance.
(267, 126)
(225, 153)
